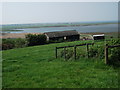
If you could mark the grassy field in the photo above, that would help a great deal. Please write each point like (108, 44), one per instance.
(36, 67)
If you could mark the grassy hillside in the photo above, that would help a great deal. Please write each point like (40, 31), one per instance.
(36, 67)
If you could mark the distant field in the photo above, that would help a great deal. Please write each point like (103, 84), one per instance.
(36, 67)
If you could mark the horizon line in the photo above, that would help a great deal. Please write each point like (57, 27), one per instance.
(62, 22)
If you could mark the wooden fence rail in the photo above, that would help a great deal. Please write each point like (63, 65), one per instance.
(75, 46)
(87, 50)
(106, 51)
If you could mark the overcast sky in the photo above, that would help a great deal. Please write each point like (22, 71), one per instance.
(39, 12)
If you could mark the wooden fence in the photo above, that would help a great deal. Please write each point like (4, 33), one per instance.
(75, 46)
(106, 52)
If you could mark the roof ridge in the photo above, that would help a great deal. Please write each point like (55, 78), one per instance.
(62, 33)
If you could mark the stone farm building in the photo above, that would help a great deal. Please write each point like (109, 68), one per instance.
(63, 35)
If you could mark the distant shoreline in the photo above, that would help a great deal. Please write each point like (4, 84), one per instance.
(19, 28)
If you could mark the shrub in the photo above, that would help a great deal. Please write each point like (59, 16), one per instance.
(97, 51)
(93, 52)
(34, 39)
(13, 43)
(114, 53)
(7, 44)
(19, 43)
(69, 53)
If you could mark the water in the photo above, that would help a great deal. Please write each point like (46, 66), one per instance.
(82, 29)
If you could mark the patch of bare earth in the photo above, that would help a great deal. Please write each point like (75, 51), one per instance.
(14, 35)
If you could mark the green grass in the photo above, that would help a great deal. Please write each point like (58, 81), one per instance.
(36, 67)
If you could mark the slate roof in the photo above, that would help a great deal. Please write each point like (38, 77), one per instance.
(61, 33)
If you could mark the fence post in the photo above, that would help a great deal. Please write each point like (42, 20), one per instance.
(56, 52)
(75, 52)
(106, 54)
(65, 53)
(87, 49)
